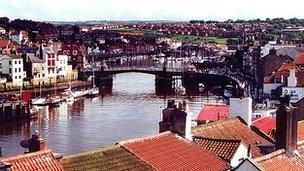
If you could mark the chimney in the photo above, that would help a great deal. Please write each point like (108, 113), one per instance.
(241, 107)
(292, 79)
(5, 166)
(176, 119)
(36, 143)
(286, 125)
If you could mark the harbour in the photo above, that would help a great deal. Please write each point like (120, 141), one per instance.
(131, 109)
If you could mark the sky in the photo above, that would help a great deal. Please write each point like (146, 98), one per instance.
(178, 10)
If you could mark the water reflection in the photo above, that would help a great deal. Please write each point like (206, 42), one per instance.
(131, 109)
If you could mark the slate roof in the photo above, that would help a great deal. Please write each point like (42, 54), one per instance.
(34, 59)
(12, 56)
(167, 151)
(223, 148)
(42, 161)
(111, 158)
(213, 112)
(237, 129)
(282, 161)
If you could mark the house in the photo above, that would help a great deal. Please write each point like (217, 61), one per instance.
(36, 70)
(4, 44)
(2, 30)
(212, 112)
(289, 152)
(12, 66)
(18, 36)
(76, 54)
(42, 160)
(230, 150)
(64, 71)
(290, 76)
(48, 55)
(168, 151)
(38, 158)
(110, 158)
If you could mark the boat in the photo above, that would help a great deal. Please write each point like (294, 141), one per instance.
(228, 91)
(38, 101)
(95, 90)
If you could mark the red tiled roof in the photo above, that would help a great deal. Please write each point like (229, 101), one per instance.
(167, 151)
(300, 130)
(265, 124)
(213, 112)
(300, 59)
(234, 129)
(282, 161)
(4, 43)
(42, 161)
(223, 148)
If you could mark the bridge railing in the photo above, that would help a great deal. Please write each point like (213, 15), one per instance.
(150, 69)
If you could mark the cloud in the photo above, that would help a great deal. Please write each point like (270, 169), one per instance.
(73, 10)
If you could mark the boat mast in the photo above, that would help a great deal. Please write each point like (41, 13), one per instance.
(93, 77)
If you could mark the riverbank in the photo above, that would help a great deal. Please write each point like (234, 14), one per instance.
(59, 87)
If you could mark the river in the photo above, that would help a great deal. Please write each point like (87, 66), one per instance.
(132, 109)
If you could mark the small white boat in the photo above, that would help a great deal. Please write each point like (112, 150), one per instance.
(94, 91)
(38, 101)
(53, 100)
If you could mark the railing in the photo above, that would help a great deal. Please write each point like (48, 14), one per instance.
(147, 69)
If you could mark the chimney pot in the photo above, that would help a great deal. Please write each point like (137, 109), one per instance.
(5, 166)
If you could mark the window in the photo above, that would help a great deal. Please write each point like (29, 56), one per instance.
(10, 62)
(19, 61)
(19, 69)
(16, 70)
(19, 77)
(15, 62)
(10, 70)
(16, 77)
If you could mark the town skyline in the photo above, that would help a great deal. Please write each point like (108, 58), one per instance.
(121, 10)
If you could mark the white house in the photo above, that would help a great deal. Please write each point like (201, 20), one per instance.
(2, 30)
(18, 36)
(12, 66)
(62, 65)
(296, 93)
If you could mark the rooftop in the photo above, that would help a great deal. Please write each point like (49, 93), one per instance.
(236, 129)
(281, 160)
(300, 59)
(12, 56)
(111, 158)
(266, 124)
(223, 148)
(167, 151)
(213, 112)
(42, 161)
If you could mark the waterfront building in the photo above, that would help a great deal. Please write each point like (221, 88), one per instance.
(49, 56)
(12, 67)
(76, 54)
(18, 36)
(2, 30)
